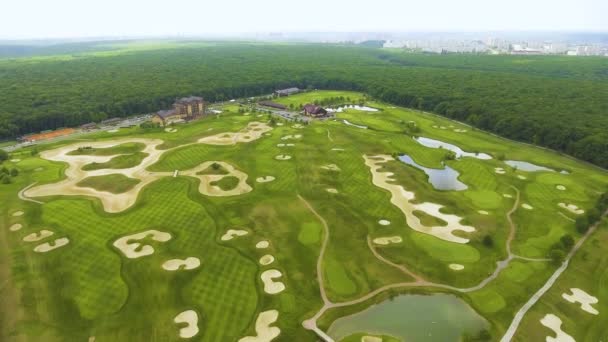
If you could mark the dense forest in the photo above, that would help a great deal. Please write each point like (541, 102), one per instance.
(557, 102)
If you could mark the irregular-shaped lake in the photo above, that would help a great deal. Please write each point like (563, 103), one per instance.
(441, 179)
(432, 143)
(413, 318)
(525, 166)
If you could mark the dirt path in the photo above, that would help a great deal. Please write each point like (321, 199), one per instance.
(329, 136)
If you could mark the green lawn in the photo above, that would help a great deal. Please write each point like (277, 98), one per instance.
(114, 183)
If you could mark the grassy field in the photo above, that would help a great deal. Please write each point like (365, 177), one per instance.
(89, 288)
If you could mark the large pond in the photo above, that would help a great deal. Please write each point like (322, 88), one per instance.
(525, 166)
(441, 179)
(413, 318)
(432, 143)
(355, 107)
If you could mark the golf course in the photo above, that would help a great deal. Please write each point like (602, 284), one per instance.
(378, 223)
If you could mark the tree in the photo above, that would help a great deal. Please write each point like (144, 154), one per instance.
(557, 256)
(6, 179)
(567, 241)
(582, 224)
(14, 172)
(488, 241)
(3, 155)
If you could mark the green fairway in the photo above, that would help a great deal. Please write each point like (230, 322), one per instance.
(314, 237)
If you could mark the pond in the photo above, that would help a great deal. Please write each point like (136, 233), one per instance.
(352, 124)
(432, 143)
(525, 166)
(441, 179)
(355, 107)
(413, 318)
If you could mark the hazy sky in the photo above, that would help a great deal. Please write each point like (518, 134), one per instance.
(82, 18)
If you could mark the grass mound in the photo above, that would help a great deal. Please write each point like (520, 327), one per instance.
(114, 183)
(227, 183)
(126, 148)
(118, 162)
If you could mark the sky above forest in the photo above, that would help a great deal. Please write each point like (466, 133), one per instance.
(24, 19)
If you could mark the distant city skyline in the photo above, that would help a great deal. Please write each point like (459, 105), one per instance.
(31, 19)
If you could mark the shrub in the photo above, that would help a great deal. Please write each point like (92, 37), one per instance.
(488, 241)
(14, 172)
(557, 256)
(567, 241)
(3, 155)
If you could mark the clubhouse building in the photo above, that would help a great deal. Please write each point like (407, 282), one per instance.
(184, 109)
(314, 110)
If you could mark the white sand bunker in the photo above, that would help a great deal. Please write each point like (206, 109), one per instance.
(297, 126)
(266, 260)
(113, 131)
(33, 237)
(331, 167)
(271, 286)
(527, 206)
(265, 333)
(49, 246)
(384, 222)
(280, 124)
(456, 267)
(572, 208)
(560, 187)
(170, 130)
(483, 212)
(285, 145)
(337, 149)
(16, 160)
(402, 199)
(507, 196)
(500, 170)
(289, 137)
(458, 130)
(253, 131)
(582, 297)
(190, 318)
(554, 323)
(15, 227)
(368, 338)
(133, 249)
(283, 157)
(388, 240)
(232, 233)
(18, 213)
(262, 244)
(332, 190)
(264, 179)
(38, 169)
(206, 187)
(522, 177)
(189, 263)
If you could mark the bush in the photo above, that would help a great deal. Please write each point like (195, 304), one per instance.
(582, 224)
(488, 241)
(557, 256)
(3, 155)
(567, 241)
(6, 179)
(14, 172)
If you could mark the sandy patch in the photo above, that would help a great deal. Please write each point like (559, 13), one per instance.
(572, 208)
(38, 169)
(283, 157)
(456, 267)
(33, 237)
(253, 131)
(294, 136)
(265, 333)
(271, 286)
(264, 179)
(384, 222)
(582, 297)
(190, 318)
(507, 196)
(232, 233)
(332, 190)
(133, 249)
(402, 199)
(189, 263)
(49, 246)
(15, 227)
(113, 131)
(18, 213)
(331, 167)
(16, 160)
(297, 126)
(500, 170)
(554, 323)
(337, 149)
(262, 244)
(560, 187)
(483, 212)
(527, 206)
(170, 130)
(280, 124)
(388, 240)
(522, 177)
(458, 130)
(371, 339)
(206, 188)
(266, 260)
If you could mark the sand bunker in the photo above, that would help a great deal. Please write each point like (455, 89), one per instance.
(283, 157)
(367, 338)
(332, 190)
(262, 244)
(18, 213)
(507, 196)
(500, 170)
(206, 188)
(270, 286)
(189, 263)
(265, 333)
(38, 169)
(15, 227)
(560, 187)
(456, 267)
(280, 124)
(572, 208)
(522, 177)
(232, 233)
(253, 131)
(133, 249)
(388, 240)
(289, 137)
(402, 199)
(266, 260)
(483, 212)
(16, 160)
(190, 318)
(331, 167)
(554, 323)
(33, 237)
(337, 149)
(297, 126)
(384, 222)
(264, 179)
(582, 297)
(49, 246)
(170, 130)
(458, 130)
(527, 206)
